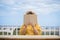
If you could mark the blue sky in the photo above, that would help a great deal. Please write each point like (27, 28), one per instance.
(12, 11)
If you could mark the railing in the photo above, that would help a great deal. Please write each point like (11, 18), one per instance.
(51, 31)
(15, 31)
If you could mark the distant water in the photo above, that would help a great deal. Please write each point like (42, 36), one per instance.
(9, 26)
(43, 27)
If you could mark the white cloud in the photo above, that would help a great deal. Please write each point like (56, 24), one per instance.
(8, 2)
(39, 6)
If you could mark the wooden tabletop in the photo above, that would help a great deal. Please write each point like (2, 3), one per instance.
(29, 37)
